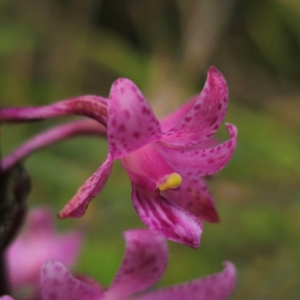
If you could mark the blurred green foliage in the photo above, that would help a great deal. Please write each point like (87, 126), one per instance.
(51, 49)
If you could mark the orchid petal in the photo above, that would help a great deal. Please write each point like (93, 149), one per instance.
(195, 197)
(131, 122)
(213, 287)
(144, 263)
(38, 243)
(6, 297)
(166, 218)
(77, 206)
(202, 162)
(59, 284)
(90, 281)
(205, 117)
(146, 168)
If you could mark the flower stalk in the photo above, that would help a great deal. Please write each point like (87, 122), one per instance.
(94, 107)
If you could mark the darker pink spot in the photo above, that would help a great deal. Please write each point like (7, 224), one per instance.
(127, 113)
(133, 88)
(58, 268)
(53, 296)
(210, 160)
(229, 144)
(213, 121)
(145, 111)
(136, 135)
(154, 270)
(122, 128)
(129, 271)
(196, 107)
(150, 260)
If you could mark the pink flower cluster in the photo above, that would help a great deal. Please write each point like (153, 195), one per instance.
(165, 160)
(39, 257)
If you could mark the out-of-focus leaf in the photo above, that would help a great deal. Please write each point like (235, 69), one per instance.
(15, 37)
(115, 54)
(268, 32)
(290, 12)
(263, 144)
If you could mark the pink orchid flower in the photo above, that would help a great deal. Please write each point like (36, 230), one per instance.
(38, 243)
(144, 263)
(159, 157)
(163, 159)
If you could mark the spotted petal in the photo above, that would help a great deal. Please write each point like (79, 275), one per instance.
(144, 263)
(199, 162)
(166, 218)
(215, 287)
(205, 117)
(195, 197)
(59, 284)
(131, 123)
(77, 206)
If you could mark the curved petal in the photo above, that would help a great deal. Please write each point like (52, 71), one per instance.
(6, 297)
(201, 162)
(90, 281)
(204, 119)
(213, 287)
(77, 206)
(144, 263)
(57, 283)
(195, 197)
(38, 243)
(146, 168)
(131, 122)
(166, 218)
